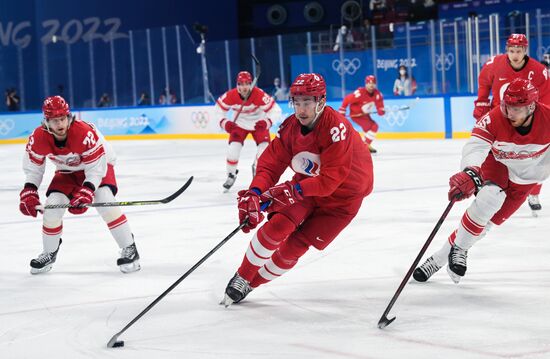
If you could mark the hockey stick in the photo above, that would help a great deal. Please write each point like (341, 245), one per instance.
(113, 342)
(384, 321)
(124, 203)
(402, 108)
(254, 82)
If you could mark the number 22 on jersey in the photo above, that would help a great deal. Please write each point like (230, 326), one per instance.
(338, 133)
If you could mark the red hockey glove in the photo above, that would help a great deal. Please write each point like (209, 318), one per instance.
(262, 125)
(84, 195)
(481, 108)
(29, 199)
(282, 195)
(248, 203)
(227, 125)
(381, 111)
(465, 183)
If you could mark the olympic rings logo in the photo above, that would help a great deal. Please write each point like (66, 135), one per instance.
(448, 61)
(394, 117)
(6, 126)
(200, 119)
(346, 66)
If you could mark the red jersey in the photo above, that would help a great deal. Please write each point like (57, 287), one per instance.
(362, 103)
(85, 149)
(258, 106)
(331, 160)
(527, 157)
(497, 74)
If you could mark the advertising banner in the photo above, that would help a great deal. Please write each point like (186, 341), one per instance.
(461, 114)
(404, 116)
(154, 120)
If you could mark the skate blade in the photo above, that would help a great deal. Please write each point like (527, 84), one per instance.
(455, 277)
(535, 213)
(226, 301)
(44, 269)
(130, 267)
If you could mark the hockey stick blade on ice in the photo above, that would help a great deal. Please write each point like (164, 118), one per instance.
(114, 342)
(384, 320)
(168, 199)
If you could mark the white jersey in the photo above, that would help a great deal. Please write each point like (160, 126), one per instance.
(84, 150)
(258, 106)
(527, 157)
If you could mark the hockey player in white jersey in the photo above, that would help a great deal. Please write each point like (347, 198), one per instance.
(85, 173)
(507, 155)
(254, 113)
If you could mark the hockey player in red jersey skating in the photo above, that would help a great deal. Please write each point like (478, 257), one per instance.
(84, 173)
(497, 74)
(333, 173)
(255, 116)
(362, 103)
(507, 155)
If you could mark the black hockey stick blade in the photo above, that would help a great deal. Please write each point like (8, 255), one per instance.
(113, 342)
(176, 194)
(170, 198)
(384, 321)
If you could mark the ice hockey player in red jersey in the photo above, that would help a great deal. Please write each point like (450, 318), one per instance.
(255, 116)
(498, 73)
(507, 155)
(362, 103)
(84, 173)
(333, 173)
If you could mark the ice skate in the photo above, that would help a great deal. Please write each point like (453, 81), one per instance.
(426, 270)
(230, 181)
(534, 204)
(457, 263)
(129, 259)
(44, 262)
(237, 289)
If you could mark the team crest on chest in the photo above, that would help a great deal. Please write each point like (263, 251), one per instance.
(307, 163)
(71, 160)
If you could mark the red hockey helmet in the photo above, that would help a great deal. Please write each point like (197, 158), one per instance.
(244, 77)
(309, 85)
(370, 80)
(517, 40)
(520, 93)
(55, 106)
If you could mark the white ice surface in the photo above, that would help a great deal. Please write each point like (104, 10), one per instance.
(326, 307)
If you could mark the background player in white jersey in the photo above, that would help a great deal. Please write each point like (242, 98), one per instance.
(84, 173)
(507, 155)
(497, 74)
(254, 111)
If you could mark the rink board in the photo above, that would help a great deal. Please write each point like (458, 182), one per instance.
(427, 118)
